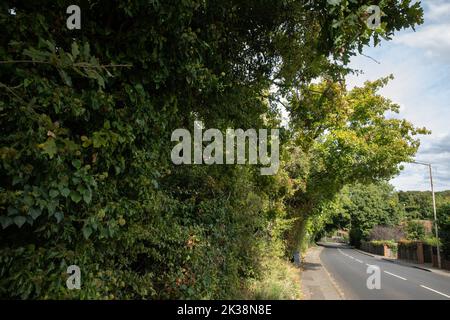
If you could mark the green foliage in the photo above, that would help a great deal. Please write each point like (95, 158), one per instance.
(432, 241)
(372, 205)
(392, 245)
(444, 229)
(415, 230)
(280, 281)
(419, 204)
(86, 117)
(347, 138)
(365, 207)
(389, 243)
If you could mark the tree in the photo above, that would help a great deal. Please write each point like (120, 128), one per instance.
(415, 230)
(366, 208)
(419, 205)
(347, 139)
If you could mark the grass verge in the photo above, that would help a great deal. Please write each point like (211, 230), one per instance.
(281, 281)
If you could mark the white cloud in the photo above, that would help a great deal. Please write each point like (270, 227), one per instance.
(437, 10)
(434, 39)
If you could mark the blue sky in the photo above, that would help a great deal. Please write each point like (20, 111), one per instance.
(420, 63)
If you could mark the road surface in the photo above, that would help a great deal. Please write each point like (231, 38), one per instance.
(348, 268)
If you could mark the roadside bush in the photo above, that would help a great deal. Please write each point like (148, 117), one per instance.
(389, 243)
(85, 169)
(356, 237)
(280, 281)
(431, 241)
(444, 229)
(415, 230)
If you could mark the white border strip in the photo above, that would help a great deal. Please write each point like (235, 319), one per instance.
(442, 294)
(394, 275)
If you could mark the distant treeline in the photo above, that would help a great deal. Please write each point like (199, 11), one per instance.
(419, 204)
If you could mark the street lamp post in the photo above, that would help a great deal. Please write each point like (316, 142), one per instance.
(434, 209)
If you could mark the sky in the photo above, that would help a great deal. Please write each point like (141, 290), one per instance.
(420, 63)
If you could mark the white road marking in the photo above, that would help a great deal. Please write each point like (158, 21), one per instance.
(443, 294)
(340, 251)
(394, 275)
(348, 256)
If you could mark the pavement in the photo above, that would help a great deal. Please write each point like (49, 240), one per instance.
(425, 266)
(316, 282)
(335, 271)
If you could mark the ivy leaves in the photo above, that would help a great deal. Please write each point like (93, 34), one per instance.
(83, 183)
(82, 193)
(28, 205)
(79, 60)
(49, 147)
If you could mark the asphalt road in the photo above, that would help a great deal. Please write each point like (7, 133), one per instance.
(348, 267)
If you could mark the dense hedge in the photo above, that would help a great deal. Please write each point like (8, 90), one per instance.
(86, 176)
(444, 229)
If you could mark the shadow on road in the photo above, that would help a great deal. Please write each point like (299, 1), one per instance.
(334, 245)
(311, 266)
